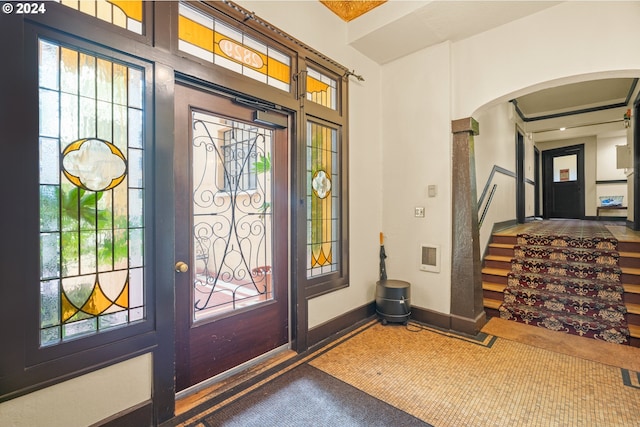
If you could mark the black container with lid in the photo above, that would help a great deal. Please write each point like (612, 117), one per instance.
(393, 301)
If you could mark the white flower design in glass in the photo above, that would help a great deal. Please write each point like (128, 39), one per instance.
(94, 164)
(321, 184)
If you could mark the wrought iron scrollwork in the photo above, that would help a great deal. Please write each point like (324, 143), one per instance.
(231, 213)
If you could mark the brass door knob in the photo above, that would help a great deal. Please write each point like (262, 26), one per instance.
(181, 267)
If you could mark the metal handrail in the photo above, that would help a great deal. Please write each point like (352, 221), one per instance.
(486, 207)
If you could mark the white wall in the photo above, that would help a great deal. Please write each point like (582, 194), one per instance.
(84, 400)
(496, 145)
(416, 148)
(570, 42)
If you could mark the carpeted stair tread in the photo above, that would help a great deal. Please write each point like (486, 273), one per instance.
(568, 279)
(596, 242)
(600, 328)
(566, 269)
(562, 254)
(564, 303)
(573, 285)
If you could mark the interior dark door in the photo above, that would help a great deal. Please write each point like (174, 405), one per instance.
(564, 182)
(231, 235)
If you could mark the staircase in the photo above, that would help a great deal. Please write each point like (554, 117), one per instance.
(497, 265)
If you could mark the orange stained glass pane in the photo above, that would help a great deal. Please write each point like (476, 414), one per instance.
(131, 8)
(195, 33)
(97, 302)
(68, 309)
(278, 70)
(123, 298)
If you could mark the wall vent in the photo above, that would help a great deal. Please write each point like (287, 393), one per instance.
(430, 258)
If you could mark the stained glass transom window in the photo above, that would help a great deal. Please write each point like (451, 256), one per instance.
(122, 13)
(216, 42)
(91, 193)
(322, 89)
(323, 200)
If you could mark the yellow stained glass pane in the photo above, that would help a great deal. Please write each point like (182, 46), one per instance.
(97, 302)
(195, 33)
(278, 70)
(131, 8)
(68, 309)
(123, 299)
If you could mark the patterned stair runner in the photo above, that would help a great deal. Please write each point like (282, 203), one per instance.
(568, 283)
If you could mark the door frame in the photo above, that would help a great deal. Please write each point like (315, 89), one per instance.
(520, 178)
(280, 222)
(547, 171)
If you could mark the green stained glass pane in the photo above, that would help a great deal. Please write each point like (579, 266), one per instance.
(50, 116)
(49, 303)
(135, 128)
(49, 65)
(87, 252)
(87, 76)
(70, 254)
(49, 162)
(87, 118)
(120, 84)
(121, 248)
(49, 208)
(104, 77)
(69, 110)
(135, 88)
(105, 121)
(105, 250)
(136, 244)
(68, 71)
(49, 255)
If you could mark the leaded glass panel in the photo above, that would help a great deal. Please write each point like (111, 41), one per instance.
(91, 194)
(322, 89)
(323, 200)
(214, 41)
(121, 13)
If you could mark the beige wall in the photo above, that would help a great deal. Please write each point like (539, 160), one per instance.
(84, 400)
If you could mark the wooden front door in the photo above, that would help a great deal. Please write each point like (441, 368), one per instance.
(231, 191)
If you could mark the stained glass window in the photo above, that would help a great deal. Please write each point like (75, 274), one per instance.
(91, 193)
(214, 41)
(122, 13)
(322, 89)
(323, 200)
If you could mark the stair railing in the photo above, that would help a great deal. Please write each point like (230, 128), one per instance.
(485, 208)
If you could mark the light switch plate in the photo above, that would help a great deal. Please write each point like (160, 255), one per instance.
(419, 212)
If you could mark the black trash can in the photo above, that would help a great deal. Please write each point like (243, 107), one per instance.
(393, 301)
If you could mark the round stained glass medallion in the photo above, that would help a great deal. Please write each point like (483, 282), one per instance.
(321, 184)
(94, 164)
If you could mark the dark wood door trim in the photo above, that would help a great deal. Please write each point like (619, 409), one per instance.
(547, 171)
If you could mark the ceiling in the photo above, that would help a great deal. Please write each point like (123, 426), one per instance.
(393, 29)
